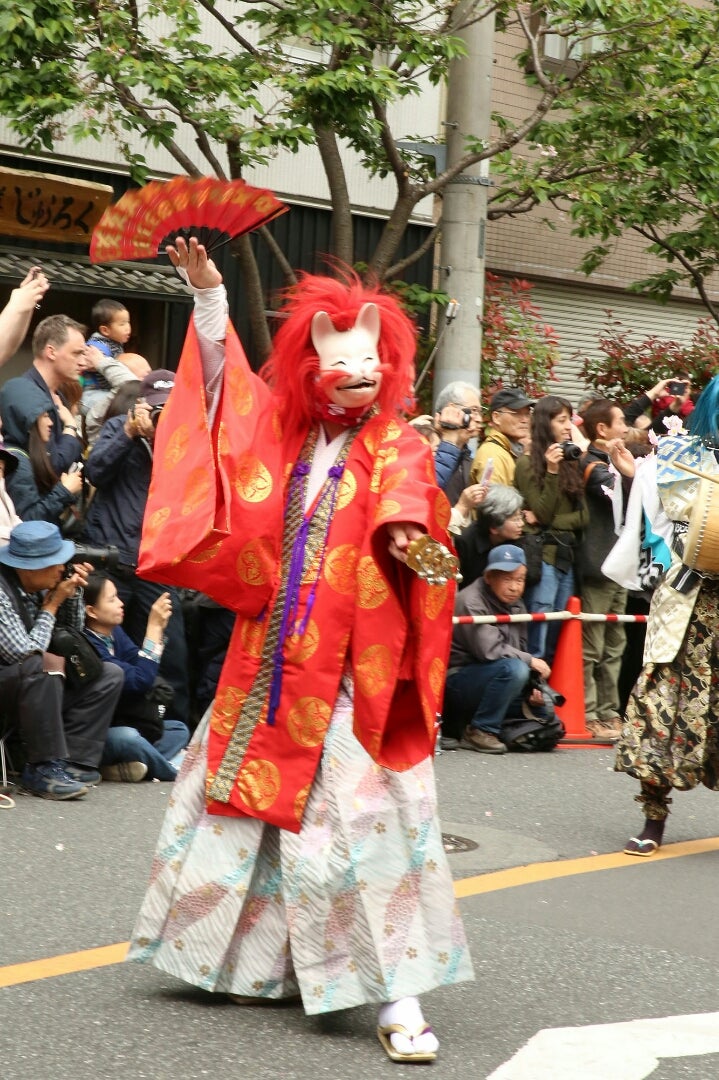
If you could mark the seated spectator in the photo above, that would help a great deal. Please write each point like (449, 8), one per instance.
(38, 493)
(9, 517)
(499, 521)
(489, 665)
(62, 729)
(15, 317)
(457, 418)
(130, 753)
(663, 401)
(505, 437)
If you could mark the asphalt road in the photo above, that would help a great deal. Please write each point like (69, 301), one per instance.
(616, 942)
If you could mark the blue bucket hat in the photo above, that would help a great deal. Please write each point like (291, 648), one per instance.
(506, 557)
(35, 545)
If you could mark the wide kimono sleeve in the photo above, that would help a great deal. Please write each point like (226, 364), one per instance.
(210, 492)
(403, 626)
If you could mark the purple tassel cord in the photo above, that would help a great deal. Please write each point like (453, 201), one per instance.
(290, 622)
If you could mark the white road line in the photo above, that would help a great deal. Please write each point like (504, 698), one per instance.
(629, 1051)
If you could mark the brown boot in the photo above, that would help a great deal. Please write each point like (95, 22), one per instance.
(602, 732)
(482, 741)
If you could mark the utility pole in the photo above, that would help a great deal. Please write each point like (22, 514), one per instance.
(464, 214)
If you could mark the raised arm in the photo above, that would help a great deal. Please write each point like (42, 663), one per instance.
(16, 315)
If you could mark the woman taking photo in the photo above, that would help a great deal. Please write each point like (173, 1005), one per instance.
(549, 477)
(36, 490)
(138, 745)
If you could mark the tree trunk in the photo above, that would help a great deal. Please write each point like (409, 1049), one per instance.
(342, 228)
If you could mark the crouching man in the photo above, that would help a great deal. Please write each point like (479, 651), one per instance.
(489, 665)
(62, 729)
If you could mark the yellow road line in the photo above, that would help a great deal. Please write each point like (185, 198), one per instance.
(87, 960)
(67, 964)
(548, 871)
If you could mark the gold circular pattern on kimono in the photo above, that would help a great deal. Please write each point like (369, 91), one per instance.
(226, 710)
(442, 510)
(177, 446)
(347, 490)
(341, 568)
(392, 431)
(258, 784)
(206, 556)
(373, 669)
(252, 636)
(198, 486)
(307, 721)
(388, 508)
(253, 481)
(435, 600)
(239, 391)
(372, 589)
(152, 524)
(301, 801)
(299, 649)
(437, 670)
(254, 563)
(384, 457)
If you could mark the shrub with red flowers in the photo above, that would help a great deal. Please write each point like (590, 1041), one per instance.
(518, 347)
(629, 365)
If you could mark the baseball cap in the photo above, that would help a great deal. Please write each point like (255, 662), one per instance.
(155, 388)
(510, 398)
(506, 557)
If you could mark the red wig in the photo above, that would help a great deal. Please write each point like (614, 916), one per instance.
(293, 366)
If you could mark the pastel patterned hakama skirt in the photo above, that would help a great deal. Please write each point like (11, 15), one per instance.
(358, 907)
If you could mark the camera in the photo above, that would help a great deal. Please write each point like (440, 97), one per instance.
(155, 412)
(101, 558)
(536, 682)
(677, 388)
(570, 450)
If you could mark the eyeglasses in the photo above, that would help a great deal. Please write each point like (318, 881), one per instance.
(474, 411)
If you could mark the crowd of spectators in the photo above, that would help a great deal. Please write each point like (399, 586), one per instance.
(75, 469)
(538, 492)
(551, 482)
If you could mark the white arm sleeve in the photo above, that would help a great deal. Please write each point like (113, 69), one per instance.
(211, 314)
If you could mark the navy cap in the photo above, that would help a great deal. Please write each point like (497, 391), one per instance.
(506, 557)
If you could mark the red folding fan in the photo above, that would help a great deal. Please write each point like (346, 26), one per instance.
(143, 220)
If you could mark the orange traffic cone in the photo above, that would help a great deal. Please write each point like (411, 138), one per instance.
(568, 679)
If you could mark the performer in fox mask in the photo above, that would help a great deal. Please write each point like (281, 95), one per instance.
(301, 854)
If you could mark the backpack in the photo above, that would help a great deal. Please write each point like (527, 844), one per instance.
(539, 729)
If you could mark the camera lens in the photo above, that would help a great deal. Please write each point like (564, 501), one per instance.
(570, 450)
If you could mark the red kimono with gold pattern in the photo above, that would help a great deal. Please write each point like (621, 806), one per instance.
(215, 522)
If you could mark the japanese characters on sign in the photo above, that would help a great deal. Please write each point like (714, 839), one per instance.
(38, 206)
